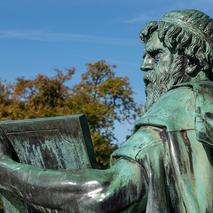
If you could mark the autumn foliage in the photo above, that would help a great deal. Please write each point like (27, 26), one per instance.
(104, 97)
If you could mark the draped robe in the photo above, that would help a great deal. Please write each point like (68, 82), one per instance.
(177, 159)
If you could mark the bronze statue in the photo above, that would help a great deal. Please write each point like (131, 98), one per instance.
(167, 164)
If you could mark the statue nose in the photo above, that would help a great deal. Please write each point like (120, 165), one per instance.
(147, 64)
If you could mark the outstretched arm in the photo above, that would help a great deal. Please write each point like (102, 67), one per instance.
(88, 189)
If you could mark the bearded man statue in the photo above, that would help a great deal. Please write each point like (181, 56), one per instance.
(167, 163)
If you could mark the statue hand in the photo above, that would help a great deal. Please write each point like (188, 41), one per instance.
(5, 146)
(5, 152)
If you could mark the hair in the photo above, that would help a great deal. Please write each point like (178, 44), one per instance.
(189, 33)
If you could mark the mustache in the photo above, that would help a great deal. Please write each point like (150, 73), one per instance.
(149, 77)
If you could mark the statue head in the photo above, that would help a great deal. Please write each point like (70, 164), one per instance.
(178, 49)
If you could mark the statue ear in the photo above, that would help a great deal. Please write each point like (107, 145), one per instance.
(192, 67)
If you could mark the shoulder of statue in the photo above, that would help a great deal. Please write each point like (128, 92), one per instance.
(184, 107)
(173, 110)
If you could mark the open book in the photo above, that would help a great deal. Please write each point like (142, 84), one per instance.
(54, 143)
(62, 142)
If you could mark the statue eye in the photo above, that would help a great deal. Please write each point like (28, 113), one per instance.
(155, 54)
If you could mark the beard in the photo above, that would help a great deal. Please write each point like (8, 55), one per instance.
(156, 84)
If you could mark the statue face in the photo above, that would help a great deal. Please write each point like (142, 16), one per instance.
(158, 67)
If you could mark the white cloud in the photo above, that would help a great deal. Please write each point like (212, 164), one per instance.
(154, 14)
(48, 36)
(141, 18)
(144, 17)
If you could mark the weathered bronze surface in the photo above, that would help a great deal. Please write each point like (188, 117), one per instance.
(167, 163)
(51, 143)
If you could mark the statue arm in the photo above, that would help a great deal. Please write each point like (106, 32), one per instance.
(81, 189)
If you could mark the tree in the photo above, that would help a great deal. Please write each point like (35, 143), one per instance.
(104, 97)
(42, 96)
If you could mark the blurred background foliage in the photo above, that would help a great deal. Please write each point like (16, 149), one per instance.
(101, 95)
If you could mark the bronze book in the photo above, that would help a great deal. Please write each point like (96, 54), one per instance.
(62, 142)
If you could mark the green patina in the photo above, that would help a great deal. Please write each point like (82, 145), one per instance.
(53, 143)
(165, 166)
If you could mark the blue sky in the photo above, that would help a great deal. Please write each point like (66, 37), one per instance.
(38, 36)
